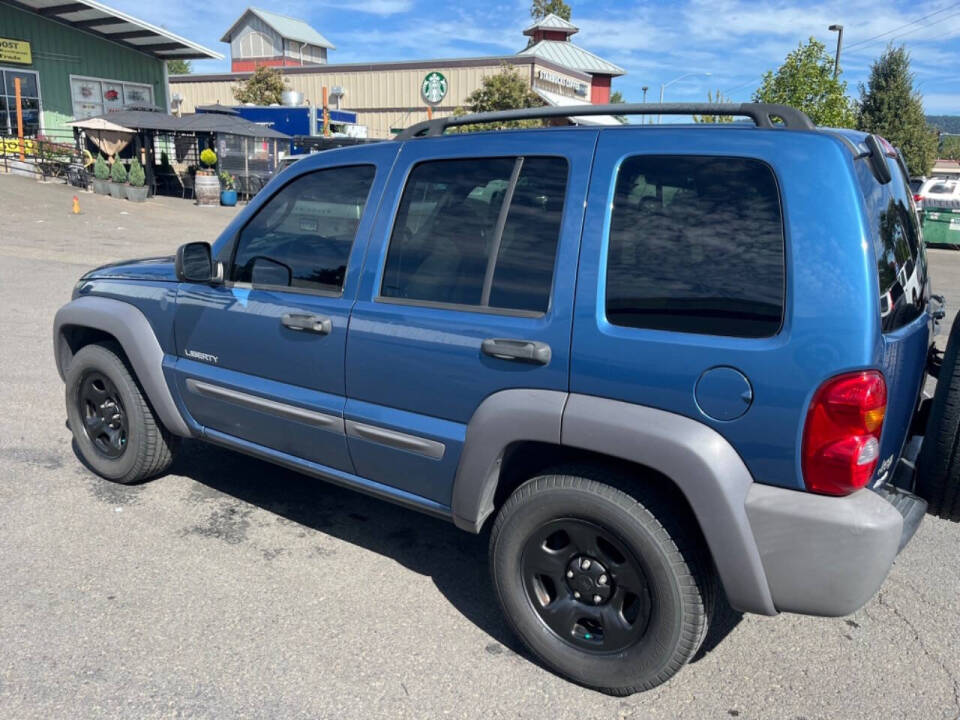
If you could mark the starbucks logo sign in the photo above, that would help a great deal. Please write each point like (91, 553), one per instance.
(434, 88)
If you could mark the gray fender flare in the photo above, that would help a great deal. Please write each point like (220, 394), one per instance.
(705, 467)
(132, 330)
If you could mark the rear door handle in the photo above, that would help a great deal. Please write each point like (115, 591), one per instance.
(531, 351)
(307, 323)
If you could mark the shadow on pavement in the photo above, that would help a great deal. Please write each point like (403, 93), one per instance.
(454, 559)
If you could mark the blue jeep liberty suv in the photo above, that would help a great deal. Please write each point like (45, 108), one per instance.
(672, 369)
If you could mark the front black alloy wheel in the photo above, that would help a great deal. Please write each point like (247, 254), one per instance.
(114, 428)
(105, 422)
(604, 576)
(586, 586)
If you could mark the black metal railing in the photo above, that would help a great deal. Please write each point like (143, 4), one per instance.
(48, 156)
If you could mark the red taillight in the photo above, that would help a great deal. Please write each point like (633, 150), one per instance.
(841, 439)
(917, 198)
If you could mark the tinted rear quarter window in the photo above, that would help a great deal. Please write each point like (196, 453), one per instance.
(696, 245)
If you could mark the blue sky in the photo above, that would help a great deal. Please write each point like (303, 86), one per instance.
(734, 40)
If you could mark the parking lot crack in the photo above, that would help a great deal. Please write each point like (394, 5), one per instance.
(926, 650)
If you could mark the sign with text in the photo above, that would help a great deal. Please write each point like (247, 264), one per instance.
(579, 88)
(15, 51)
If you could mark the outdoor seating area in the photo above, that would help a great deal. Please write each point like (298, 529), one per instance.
(170, 147)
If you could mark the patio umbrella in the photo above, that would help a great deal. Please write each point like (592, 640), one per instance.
(109, 137)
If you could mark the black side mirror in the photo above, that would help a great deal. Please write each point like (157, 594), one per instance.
(194, 263)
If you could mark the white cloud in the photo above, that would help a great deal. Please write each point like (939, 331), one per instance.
(372, 7)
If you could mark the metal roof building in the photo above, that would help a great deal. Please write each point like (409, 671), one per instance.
(261, 37)
(550, 40)
(79, 59)
(389, 95)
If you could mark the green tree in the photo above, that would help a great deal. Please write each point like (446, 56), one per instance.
(264, 87)
(542, 8)
(179, 67)
(718, 98)
(507, 90)
(805, 81)
(616, 98)
(891, 108)
(950, 147)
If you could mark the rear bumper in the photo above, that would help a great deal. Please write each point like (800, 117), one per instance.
(828, 555)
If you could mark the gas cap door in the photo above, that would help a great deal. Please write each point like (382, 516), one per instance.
(723, 393)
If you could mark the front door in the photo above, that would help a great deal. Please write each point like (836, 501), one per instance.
(261, 355)
(467, 290)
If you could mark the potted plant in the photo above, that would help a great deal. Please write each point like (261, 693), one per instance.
(137, 190)
(101, 176)
(228, 194)
(118, 179)
(207, 184)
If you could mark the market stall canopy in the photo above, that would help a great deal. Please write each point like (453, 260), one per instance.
(198, 123)
(558, 100)
(126, 30)
(108, 137)
(100, 123)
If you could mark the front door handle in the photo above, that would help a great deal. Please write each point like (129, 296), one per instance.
(307, 323)
(530, 351)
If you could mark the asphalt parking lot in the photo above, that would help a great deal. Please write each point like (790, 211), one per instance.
(231, 588)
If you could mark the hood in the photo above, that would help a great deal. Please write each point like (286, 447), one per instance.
(159, 268)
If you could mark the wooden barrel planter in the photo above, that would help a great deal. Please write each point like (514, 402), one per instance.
(207, 189)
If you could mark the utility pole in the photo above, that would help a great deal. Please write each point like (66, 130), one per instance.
(836, 62)
(665, 85)
(646, 120)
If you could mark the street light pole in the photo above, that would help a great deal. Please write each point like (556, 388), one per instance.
(645, 120)
(677, 79)
(836, 62)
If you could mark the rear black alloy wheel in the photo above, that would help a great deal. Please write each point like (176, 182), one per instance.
(585, 585)
(105, 422)
(604, 576)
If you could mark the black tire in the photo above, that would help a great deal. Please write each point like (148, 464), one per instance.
(655, 536)
(146, 449)
(938, 468)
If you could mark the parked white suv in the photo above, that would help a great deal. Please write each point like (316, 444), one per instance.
(939, 192)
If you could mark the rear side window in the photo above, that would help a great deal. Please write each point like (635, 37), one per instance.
(478, 232)
(696, 245)
(901, 260)
(302, 236)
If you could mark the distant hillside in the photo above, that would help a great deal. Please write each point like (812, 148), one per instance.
(945, 123)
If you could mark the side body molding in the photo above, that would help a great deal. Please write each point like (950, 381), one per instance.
(132, 330)
(704, 466)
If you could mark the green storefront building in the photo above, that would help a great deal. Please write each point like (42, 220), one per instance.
(80, 59)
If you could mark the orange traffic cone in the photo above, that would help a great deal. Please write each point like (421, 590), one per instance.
(76, 205)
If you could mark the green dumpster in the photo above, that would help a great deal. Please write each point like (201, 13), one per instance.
(941, 225)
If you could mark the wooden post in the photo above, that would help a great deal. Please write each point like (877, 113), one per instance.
(429, 113)
(326, 114)
(16, 90)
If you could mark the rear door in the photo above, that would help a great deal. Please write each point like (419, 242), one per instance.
(261, 356)
(467, 290)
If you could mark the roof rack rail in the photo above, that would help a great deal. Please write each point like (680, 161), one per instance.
(762, 114)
